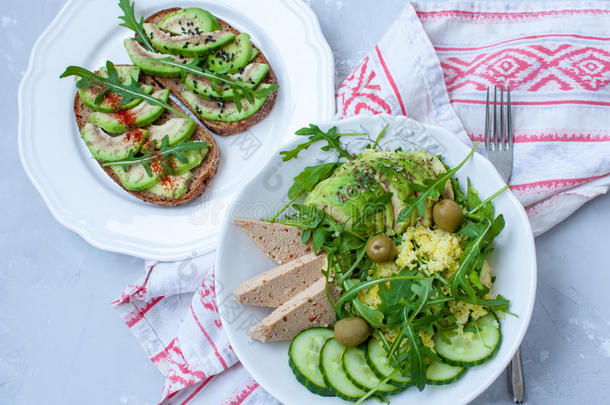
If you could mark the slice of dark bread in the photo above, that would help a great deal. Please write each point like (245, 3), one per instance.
(202, 174)
(218, 127)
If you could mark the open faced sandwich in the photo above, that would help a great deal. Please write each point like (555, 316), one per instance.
(382, 281)
(141, 138)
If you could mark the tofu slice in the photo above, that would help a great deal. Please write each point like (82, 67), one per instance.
(282, 243)
(276, 286)
(307, 309)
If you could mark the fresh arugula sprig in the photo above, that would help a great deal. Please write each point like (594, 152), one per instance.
(130, 21)
(316, 135)
(159, 154)
(430, 189)
(128, 91)
(241, 90)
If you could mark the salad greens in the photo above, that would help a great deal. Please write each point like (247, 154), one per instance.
(415, 304)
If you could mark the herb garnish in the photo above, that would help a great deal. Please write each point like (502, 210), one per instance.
(130, 21)
(315, 135)
(128, 91)
(159, 154)
(240, 88)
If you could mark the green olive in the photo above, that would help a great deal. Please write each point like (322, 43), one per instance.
(447, 215)
(381, 249)
(352, 331)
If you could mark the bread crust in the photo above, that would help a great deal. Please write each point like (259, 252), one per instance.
(218, 127)
(202, 174)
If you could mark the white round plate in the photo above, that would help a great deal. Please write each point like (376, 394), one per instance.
(80, 195)
(238, 259)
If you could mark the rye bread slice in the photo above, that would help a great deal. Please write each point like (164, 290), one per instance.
(282, 243)
(308, 309)
(218, 127)
(202, 174)
(276, 286)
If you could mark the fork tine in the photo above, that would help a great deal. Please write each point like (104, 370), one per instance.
(509, 123)
(502, 134)
(487, 129)
(494, 145)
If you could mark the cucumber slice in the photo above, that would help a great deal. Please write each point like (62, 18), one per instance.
(376, 357)
(471, 348)
(304, 359)
(331, 363)
(359, 372)
(442, 374)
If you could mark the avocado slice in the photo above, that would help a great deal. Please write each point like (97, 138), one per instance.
(232, 56)
(186, 45)
(111, 100)
(191, 21)
(345, 197)
(139, 116)
(252, 75)
(254, 54)
(108, 148)
(136, 178)
(144, 59)
(193, 159)
(172, 186)
(176, 129)
(225, 111)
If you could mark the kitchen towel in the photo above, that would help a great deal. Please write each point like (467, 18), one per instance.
(433, 64)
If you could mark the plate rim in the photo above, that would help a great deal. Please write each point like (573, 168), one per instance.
(116, 242)
(476, 156)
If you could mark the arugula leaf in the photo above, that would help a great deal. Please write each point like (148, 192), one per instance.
(431, 189)
(305, 181)
(154, 154)
(315, 135)
(130, 21)
(417, 358)
(240, 89)
(127, 91)
(485, 235)
(391, 296)
(349, 294)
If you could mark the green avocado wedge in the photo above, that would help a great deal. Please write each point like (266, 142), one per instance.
(145, 60)
(173, 187)
(193, 159)
(139, 116)
(111, 100)
(223, 111)
(252, 75)
(189, 21)
(186, 45)
(108, 148)
(176, 130)
(231, 57)
(136, 178)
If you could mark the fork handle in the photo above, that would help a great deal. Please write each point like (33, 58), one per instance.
(515, 378)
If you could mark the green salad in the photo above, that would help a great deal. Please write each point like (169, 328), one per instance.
(406, 247)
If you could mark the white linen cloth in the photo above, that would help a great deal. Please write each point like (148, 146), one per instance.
(433, 65)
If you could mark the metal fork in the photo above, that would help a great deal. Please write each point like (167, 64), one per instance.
(499, 144)
(499, 133)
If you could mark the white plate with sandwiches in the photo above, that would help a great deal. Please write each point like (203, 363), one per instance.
(248, 247)
(79, 193)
